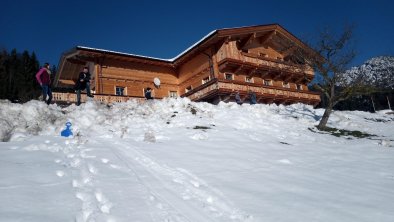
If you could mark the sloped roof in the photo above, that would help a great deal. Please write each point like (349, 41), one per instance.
(207, 40)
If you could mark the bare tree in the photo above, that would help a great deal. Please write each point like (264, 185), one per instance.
(335, 53)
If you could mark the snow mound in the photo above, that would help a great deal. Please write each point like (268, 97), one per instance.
(176, 160)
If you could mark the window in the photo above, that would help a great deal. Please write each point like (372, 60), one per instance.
(286, 85)
(229, 76)
(299, 87)
(267, 82)
(205, 80)
(119, 91)
(248, 79)
(189, 88)
(173, 94)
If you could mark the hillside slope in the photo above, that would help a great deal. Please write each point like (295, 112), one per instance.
(175, 160)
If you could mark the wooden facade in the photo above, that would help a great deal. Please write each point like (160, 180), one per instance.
(255, 58)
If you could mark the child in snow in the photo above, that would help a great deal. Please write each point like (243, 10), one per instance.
(148, 93)
(238, 98)
(252, 96)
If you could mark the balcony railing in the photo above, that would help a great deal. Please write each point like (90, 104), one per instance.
(271, 92)
(271, 64)
(72, 98)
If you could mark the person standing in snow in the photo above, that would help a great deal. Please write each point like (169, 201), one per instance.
(148, 93)
(44, 79)
(83, 83)
(238, 98)
(252, 98)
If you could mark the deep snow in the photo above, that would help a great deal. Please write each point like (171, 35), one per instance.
(157, 161)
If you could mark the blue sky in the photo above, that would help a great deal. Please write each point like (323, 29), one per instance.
(163, 29)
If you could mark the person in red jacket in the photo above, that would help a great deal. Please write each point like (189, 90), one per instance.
(44, 79)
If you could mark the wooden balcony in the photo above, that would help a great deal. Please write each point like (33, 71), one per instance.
(267, 68)
(72, 98)
(264, 94)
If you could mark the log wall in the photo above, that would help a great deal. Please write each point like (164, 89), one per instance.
(193, 72)
(135, 77)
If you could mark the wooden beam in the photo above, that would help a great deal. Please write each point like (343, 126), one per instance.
(265, 73)
(267, 37)
(290, 50)
(288, 77)
(228, 39)
(247, 40)
(239, 68)
(278, 76)
(252, 71)
(76, 61)
(300, 79)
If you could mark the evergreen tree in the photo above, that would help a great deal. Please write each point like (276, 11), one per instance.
(34, 66)
(17, 76)
(3, 74)
(12, 69)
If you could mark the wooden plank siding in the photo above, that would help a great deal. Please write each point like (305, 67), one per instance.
(192, 72)
(252, 53)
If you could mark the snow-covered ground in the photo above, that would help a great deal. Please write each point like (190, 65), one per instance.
(175, 160)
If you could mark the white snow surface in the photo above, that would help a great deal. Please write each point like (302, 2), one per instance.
(157, 161)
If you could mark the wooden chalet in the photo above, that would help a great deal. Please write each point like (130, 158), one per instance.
(255, 58)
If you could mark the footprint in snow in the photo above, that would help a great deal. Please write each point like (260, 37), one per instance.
(76, 184)
(92, 169)
(281, 137)
(60, 173)
(285, 161)
(105, 204)
(114, 166)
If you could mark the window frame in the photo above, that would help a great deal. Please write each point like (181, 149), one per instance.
(251, 79)
(231, 74)
(205, 80)
(170, 94)
(188, 89)
(267, 81)
(124, 91)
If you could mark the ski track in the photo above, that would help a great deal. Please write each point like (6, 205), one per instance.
(170, 194)
(95, 206)
(177, 190)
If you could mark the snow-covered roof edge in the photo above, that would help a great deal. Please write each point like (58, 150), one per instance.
(188, 49)
(194, 45)
(122, 53)
(149, 57)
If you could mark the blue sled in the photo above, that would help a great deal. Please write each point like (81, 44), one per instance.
(67, 132)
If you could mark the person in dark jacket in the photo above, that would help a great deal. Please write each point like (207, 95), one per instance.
(238, 98)
(44, 79)
(148, 93)
(252, 97)
(83, 83)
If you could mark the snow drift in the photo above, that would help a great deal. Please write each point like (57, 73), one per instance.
(175, 160)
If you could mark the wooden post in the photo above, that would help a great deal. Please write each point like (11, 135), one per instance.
(373, 104)
(388, 101)
(97, 79)
(215, 66)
